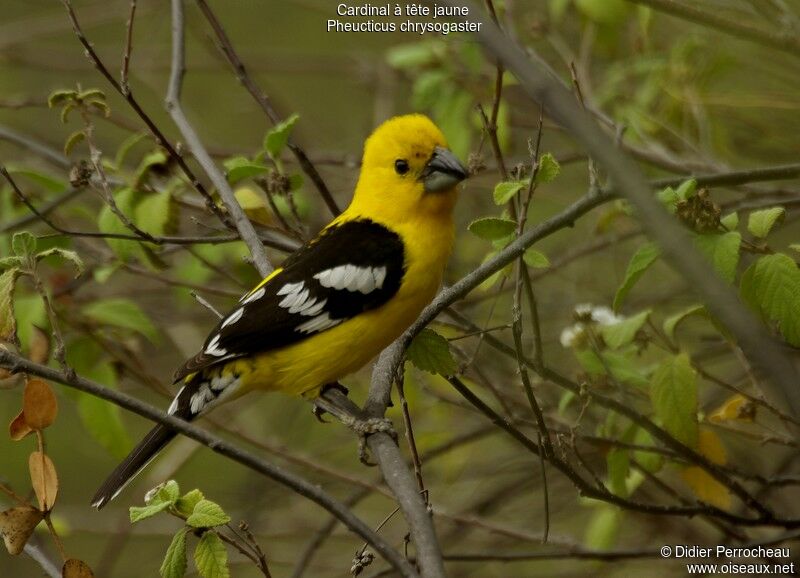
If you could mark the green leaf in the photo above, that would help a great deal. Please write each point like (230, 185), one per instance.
(70, 256)
(174, 564)
(722, 250)
(125, 199)
(535, 259)
(618, 463)
(210, 557)
(430, 352)
(623, 332)
(11, 262)
(207, 514)
(771, 285)
(505, 191)
(103, 421)
(239, 168)
(92, 93)
(414, 54)
(760, 223)
(152, 213)
(122, 313)
(167, 492)
(674, 397)
(186, 503)
(650, 461)
(492, 228)
(8, 326)
(23, 244)
(126, 147)
(603, 527)
(73, 140)
(50, 183)
(730, 221)
(620, 365)
(641, 261)
(671, 322)
(58, 97)
(151, 161)
(277, 138)
(686, 190)
(139, 513)
(548, 169)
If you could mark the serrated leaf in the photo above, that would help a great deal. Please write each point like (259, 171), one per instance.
(535, 259)
(58, 97)
(722, 250)
(66, 111)
(505, 191)
(73, 140)
(730, 221)
(430, 352)
(8, 325)
(239, 168)
(207, 514)
(210, 557)
(122, 313)
(548, 169)
(139, 513)
(641, 261)
(760, 223)
(167, 492)
(70, 256)
(278, 136)
(92, 93)
(174, 564)
(772, 286)
(186, 503)
(671, 322)
(674, 397)
(623, 332)
(492, 228)
(23, 244)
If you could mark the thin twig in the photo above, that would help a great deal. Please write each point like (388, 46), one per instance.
(126, 56)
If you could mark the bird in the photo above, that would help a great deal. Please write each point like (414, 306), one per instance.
(339, 299)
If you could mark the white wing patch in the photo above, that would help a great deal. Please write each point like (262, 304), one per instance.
(255, 295)
(352, 278)
(233, 317)
(212, 392)
(298, 300)
(214, 349)
(318, 323)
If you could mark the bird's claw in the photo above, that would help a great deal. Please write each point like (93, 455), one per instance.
(319, 412)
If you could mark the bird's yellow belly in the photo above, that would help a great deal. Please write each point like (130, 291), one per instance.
(304, 367)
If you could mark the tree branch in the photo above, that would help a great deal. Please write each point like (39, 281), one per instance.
(16, 363)
(173, 104)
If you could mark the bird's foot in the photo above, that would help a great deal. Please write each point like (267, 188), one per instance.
(365, 428)
(318, 411)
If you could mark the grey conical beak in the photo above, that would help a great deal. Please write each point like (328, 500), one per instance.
(443, 171)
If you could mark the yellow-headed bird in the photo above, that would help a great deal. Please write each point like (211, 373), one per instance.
(338, 300)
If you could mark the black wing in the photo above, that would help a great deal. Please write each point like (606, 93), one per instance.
(350, 268)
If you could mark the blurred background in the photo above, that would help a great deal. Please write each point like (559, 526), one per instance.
(681, 97)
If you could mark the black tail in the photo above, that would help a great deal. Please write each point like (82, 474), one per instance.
(141, 455)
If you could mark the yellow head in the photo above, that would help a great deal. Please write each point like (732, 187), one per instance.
(407, 173)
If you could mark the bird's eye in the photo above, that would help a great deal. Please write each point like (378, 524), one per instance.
(401, 166)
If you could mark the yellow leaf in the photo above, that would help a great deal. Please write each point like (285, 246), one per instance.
(736, 407)
(44, 480)
(254, 204)
(705, 487)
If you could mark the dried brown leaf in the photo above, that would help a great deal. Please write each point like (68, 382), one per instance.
(39, 404)
(19, 428)
(74, 568)
(17, 525)
(44, 480)
(39, 347)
